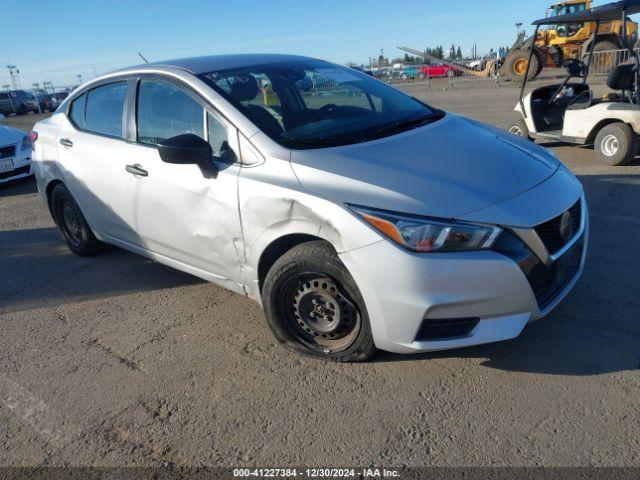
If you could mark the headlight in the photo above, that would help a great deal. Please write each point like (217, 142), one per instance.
(26, 143)
(423, 234)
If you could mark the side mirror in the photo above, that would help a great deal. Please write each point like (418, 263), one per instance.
(188, 149)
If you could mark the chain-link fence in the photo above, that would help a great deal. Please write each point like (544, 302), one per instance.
(604, 62)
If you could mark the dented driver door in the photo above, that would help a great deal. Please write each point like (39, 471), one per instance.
(185, 217)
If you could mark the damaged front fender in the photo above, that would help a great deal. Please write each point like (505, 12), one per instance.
(273, 205)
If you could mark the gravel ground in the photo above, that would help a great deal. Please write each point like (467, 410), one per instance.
(116, 360)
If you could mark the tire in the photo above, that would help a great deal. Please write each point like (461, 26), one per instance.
(616, 144)
(71, 223)
(22, 110)
(515, 65)
(603, 63)
(305, 287)
(519, 128)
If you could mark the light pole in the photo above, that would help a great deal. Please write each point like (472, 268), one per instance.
(79, 78)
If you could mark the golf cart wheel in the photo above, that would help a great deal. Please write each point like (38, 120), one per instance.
(515, 65)
(72, 225)
(616, 144)
(314, 307)
(519, 128)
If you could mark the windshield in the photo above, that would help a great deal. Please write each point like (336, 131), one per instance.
(314, 104)
(558, 10)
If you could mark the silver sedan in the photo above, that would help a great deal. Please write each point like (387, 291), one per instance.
(359, 217)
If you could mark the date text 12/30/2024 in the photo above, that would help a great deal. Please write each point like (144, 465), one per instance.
(316, 473)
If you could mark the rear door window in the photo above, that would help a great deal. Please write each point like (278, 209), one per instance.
(105, 106)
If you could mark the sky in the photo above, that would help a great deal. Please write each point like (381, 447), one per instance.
(90, 37)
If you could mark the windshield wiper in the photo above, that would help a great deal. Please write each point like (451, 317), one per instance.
(316, 142)
(403, 125)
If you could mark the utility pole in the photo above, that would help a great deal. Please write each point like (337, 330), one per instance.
(14, 74)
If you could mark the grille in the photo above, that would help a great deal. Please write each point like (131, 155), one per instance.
(8, 151)
(547, 282)
(549, 232)
(14, 173)
(440, 329)
(557, 278)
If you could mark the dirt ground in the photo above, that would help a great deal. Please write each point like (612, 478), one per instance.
(116, 360)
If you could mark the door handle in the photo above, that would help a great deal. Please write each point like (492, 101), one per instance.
(137, 170)
(66, 142)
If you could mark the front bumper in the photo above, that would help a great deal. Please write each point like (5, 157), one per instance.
(402, 289)
(21, 166)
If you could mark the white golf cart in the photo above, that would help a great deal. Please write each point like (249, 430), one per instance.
(568, 112)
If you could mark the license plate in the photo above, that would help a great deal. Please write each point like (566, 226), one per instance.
(6, 165)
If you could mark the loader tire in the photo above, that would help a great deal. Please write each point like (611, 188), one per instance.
(602, 62)
(515, 65)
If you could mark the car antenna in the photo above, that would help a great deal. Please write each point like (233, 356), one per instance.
(142, 57)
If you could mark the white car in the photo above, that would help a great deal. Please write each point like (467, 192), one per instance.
(359, 218)
(15, 153)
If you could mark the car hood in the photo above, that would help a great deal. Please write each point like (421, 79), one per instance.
(9, 136)
(447, 169)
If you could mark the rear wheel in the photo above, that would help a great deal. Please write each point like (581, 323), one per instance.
(72, 225)
(313, 305)
(616, 144)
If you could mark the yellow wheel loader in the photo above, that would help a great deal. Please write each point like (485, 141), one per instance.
(557, 43)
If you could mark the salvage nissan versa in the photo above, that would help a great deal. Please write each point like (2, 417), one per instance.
(356, 215)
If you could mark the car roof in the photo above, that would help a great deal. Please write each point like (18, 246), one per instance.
(200, 65)
(603, 13)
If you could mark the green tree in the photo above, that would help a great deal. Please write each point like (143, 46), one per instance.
(452, 52)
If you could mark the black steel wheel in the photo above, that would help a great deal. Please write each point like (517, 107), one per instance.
(314, 307)
(71, 223)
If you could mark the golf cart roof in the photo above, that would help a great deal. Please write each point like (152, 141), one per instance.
(604, 13)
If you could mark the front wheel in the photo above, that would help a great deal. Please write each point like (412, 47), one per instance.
(616, 144)
(314, 307)
(72, 225)
(519, 128)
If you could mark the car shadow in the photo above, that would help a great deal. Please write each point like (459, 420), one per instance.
(44, 273)
(596, 330)
(21, 186)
